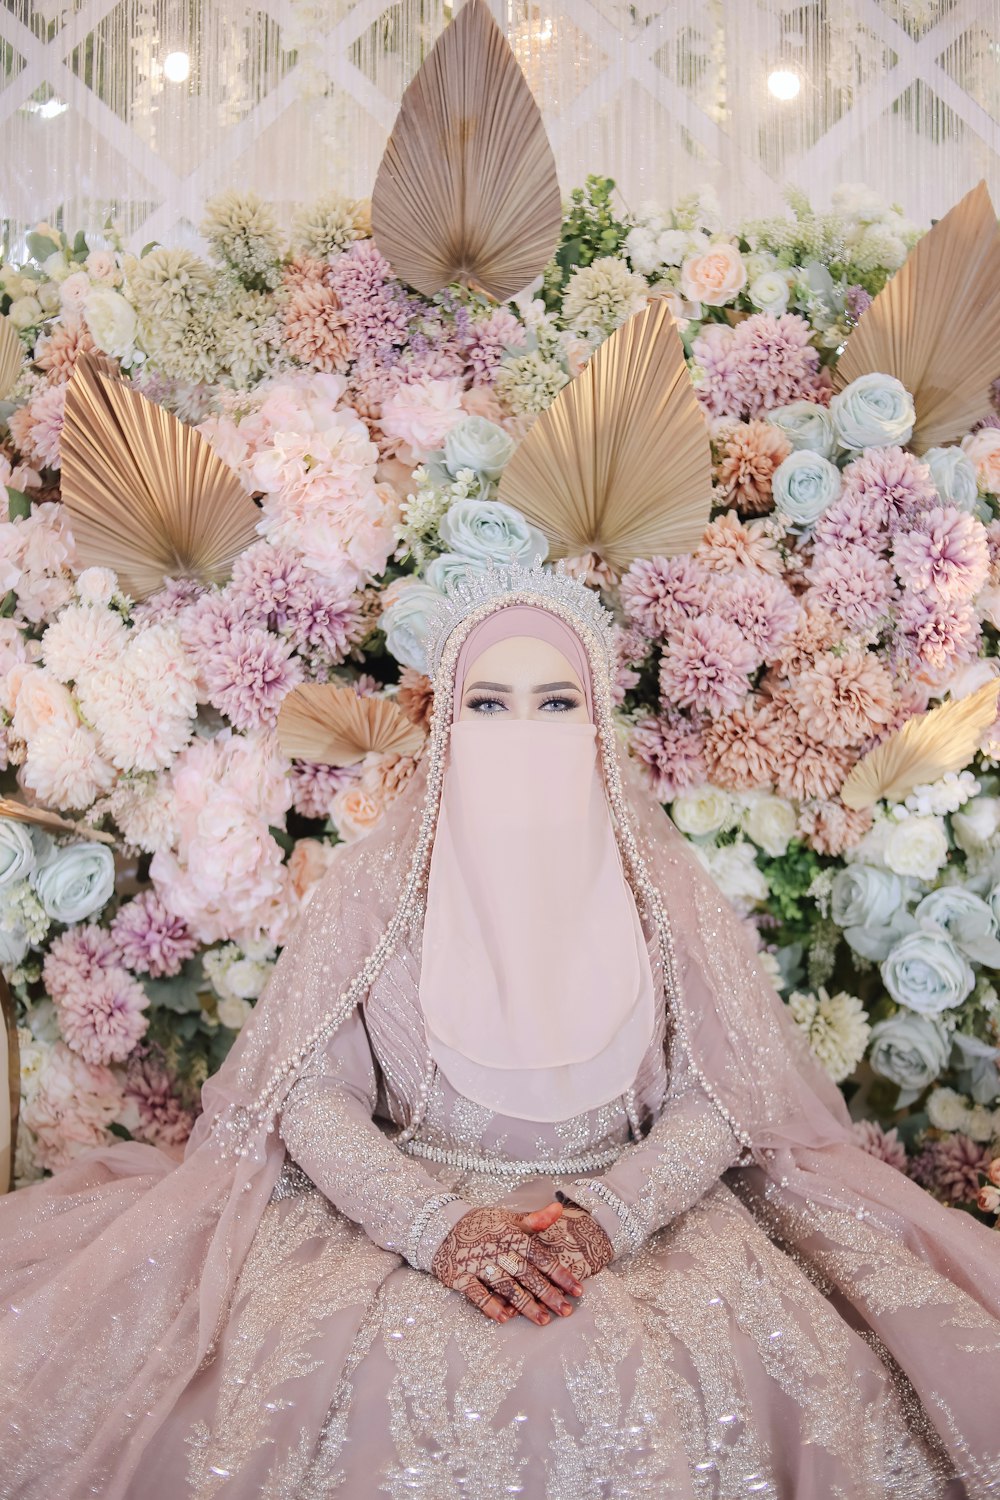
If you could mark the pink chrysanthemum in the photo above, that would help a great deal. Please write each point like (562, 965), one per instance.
(718, 389)
(802, 767)
(58, 352)
(852, 584)
(247, 676)
(936, 637)
(302, 271)
(706, 665)
(766, 362)
(208, 624)
(853, 520)
(670, 748)
(832, 828)
(762, 608)
(163, 1119)
(892, 483)
(817, 631)
(103, 1019)
(729, 543)
(488, 339)
(950, 1167)
(884, 1145)
(151, 939)
(315, 785)
(76, 958)
(659, 593)
(946, 554)
(316, 331)
(750, 455)
(738, 752)
(266, 585)
(321, 622)
(37, 427)
(169, 601)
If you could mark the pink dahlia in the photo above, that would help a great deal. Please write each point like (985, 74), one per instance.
(76, 958)
(802, 766)
(831, 828)
(738, 749)
(169, 601)
(415, 696)
(151, 939)
(247, 676)
(729, 543)
(776, 363)
(671, 750)
(719, 388)
(104, 1019)
(852, 584)
(209, 623)
(71, 1108)
(890, 482)
(59, 351)
(750, 455)
(267, 583)
(817, 631)
(321, 622)
(706, 664)
(854, 520)
(37, 427)
(488, 339)
(153, 1093)
(762, 607)
(946, 554)
(659, 594)
(936, 638)
(950, 1167)
(314, 786)
(884, 1145)
(316, 331)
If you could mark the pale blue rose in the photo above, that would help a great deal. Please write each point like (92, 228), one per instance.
(804, 484)
(993, 900)
(909, 1050)
(873, 412)
(807, 427)
(976, 1064)
(863, 896)
(476, 443)
(482, 529)
(926, 973)
(450, 569)
(406, 622)
(954, 476)
(14, 946)
(967, 919)
(76, 881)
(17, 852)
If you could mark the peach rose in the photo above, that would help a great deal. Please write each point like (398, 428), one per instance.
(38, 700)
(355, 811)
(714, 277)
(983, 448)
(307, 864)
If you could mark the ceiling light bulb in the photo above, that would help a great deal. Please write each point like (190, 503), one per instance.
(177, 66)
(784, 83)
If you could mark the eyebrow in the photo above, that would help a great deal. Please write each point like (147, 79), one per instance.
(506, 687)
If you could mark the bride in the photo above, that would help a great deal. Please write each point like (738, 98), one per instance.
(518, 1181)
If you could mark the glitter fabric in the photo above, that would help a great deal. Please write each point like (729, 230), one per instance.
(785, 1315)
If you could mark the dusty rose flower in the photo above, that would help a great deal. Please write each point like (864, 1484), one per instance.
(72, 1107)
(936, 637)
(706, 666)
(950, 1167)
(248, 676)
(76, 958)
(659, 593)
(355, 811)
(303, 271)
(885, 1145)
(853, 520)
(386, 776)
(802, 767)
(162, 1119)
(852, 584)
(946, 554)
(58, 352)
(745, 469)
(738, 752)
(307, 864)
(832, 828)
(844, 699)
(103, 1019)
(151, 939)
(729, 543)
(314, 786)
(817, 631)
(37, 427)
(316, 331)
(415, 696)
(890, 482)
(591, 569)
(671, 750)
(762, 607)
(983, 448)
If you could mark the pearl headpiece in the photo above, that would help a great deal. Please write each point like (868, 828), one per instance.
(499, 579)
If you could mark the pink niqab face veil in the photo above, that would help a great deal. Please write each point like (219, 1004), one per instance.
(535, 983)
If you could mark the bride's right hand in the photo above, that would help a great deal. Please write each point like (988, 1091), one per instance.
(493, 1256)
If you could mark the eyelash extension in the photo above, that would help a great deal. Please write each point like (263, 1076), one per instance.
(563, 701)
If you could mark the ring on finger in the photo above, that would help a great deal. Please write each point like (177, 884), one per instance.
(510, 1262)
(490, 1272)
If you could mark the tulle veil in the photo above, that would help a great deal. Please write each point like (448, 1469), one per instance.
(118, 1272)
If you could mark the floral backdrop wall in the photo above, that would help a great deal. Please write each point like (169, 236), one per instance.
(841, 586)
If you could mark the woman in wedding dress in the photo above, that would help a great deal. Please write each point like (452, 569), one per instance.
(518, 1182)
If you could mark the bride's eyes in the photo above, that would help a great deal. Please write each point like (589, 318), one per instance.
(482, 705)
(557, 703)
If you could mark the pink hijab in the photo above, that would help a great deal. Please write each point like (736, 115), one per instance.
(535, 982)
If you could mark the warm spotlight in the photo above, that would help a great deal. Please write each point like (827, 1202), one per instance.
(784, 83)
(177, 66)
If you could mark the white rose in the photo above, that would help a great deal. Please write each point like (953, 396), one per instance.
(17, 852)
(954, 476)
(769, 292)
(909, 1050)
(874, 411)
(233, 1012)
(56, 266)
(734, 870)
(976, 827)
(246, 978)
(96, 585)
(73, 291)
(806, 426)
(770, 821)
(703, 811)
(917, 846)
(76, 881)
(947, 1110)
(112, 321)
(25, 312)
(864, 897)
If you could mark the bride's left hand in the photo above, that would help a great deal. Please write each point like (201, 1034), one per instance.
(579, 1241)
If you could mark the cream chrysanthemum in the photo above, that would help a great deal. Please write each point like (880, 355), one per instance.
(243, 231)
(330, 224)
(837, 1029)
(601, 296)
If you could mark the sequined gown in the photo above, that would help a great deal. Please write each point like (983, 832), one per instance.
(706, 1360)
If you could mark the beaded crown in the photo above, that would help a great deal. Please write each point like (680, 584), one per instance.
(499, 579)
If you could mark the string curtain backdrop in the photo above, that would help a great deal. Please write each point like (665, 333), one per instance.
(140, 110)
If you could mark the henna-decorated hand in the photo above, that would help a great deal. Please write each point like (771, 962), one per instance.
(579, 1241)
(497, 1259)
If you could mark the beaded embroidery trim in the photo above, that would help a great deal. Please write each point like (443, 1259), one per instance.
(500, 1166)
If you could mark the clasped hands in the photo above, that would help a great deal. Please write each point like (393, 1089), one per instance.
(509, 1263)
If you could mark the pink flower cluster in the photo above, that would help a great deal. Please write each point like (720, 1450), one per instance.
(762, 363)
(101, 1007)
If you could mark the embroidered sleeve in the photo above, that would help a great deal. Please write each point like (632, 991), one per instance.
(328, 1130)
(685, 1153)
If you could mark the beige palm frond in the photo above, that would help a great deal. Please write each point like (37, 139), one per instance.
(40, 817)
(11, 357)
(936, 324)
(146, 495)
(620, 464)
(928, 745)
(467, 188)
(338, 727)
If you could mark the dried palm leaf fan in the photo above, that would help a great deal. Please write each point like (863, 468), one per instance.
(338, 727)
(928, 745)
(467, 188)
(620, 464)
(40, 817)
(146, 495)
(11, 357)
(936, 324)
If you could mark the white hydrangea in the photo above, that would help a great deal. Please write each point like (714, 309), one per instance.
(836, 1026)
(944, 796)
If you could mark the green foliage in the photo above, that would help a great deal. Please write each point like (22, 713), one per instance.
(18, 504)
(790, 875)
(590, 229)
